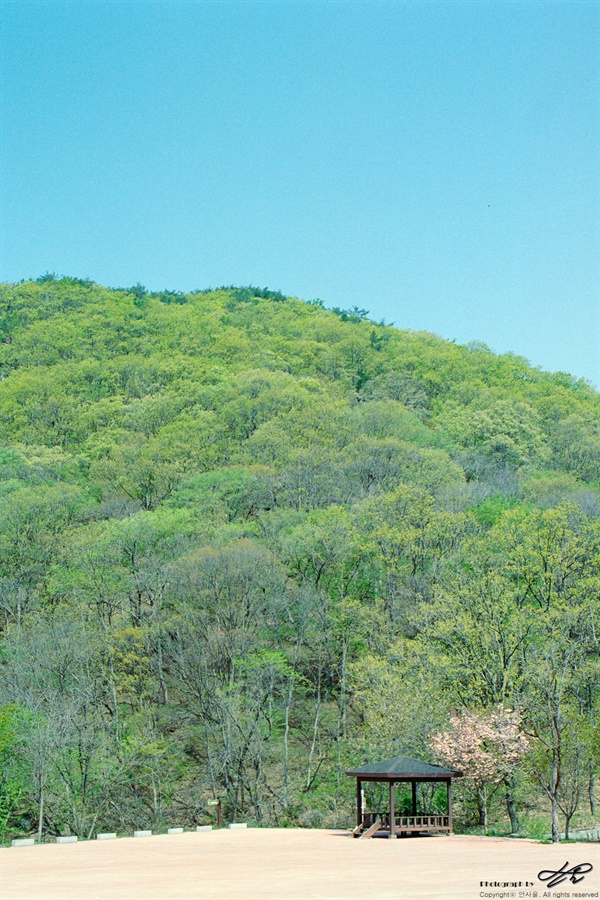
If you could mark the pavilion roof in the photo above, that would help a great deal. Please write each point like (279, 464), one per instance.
(403, 767)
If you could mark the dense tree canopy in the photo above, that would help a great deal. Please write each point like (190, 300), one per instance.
(247, 543)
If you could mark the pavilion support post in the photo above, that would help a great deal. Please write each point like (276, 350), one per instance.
(392, 833)
(414, 798)
(449, 796)
(359, 804)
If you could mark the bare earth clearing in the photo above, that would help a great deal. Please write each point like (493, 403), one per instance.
(259, 864)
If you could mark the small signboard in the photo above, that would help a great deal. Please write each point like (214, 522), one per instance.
(216, 803)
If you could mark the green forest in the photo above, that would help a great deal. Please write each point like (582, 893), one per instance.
(248, 543)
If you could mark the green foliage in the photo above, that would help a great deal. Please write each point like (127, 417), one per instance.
(247, 542)
(171, 297)
(13, 776)
(489, 511)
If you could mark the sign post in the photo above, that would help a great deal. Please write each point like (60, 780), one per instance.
(217, 803)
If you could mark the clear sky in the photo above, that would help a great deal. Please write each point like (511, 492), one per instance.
(434, 163)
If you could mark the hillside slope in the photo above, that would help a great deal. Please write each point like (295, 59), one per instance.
(246, 542)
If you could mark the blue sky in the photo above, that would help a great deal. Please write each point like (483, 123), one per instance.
(434, 163)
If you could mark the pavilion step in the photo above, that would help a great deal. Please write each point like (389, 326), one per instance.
(371, 831)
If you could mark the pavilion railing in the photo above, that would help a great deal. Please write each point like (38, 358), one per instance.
(407, 823)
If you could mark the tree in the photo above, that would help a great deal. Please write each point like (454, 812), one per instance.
(486, 747)
(53, 673)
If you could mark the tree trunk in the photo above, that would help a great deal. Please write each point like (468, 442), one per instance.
(41, 811)
(342, 726)
(567, 825)
(553, 794)
(555, 831)
(164, 693)
(286, 733)
(315, 732)
(484, 808)
(511, 806)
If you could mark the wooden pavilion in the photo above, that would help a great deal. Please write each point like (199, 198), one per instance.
(402, 769)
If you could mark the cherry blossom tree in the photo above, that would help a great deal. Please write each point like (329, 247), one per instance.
(485, 746)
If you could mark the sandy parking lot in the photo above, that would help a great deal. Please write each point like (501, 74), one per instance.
(256, 864)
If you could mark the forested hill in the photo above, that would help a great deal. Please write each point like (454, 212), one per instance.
(127, 383)
(246, 541)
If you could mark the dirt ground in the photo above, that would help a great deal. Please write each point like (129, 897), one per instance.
(276, 864)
